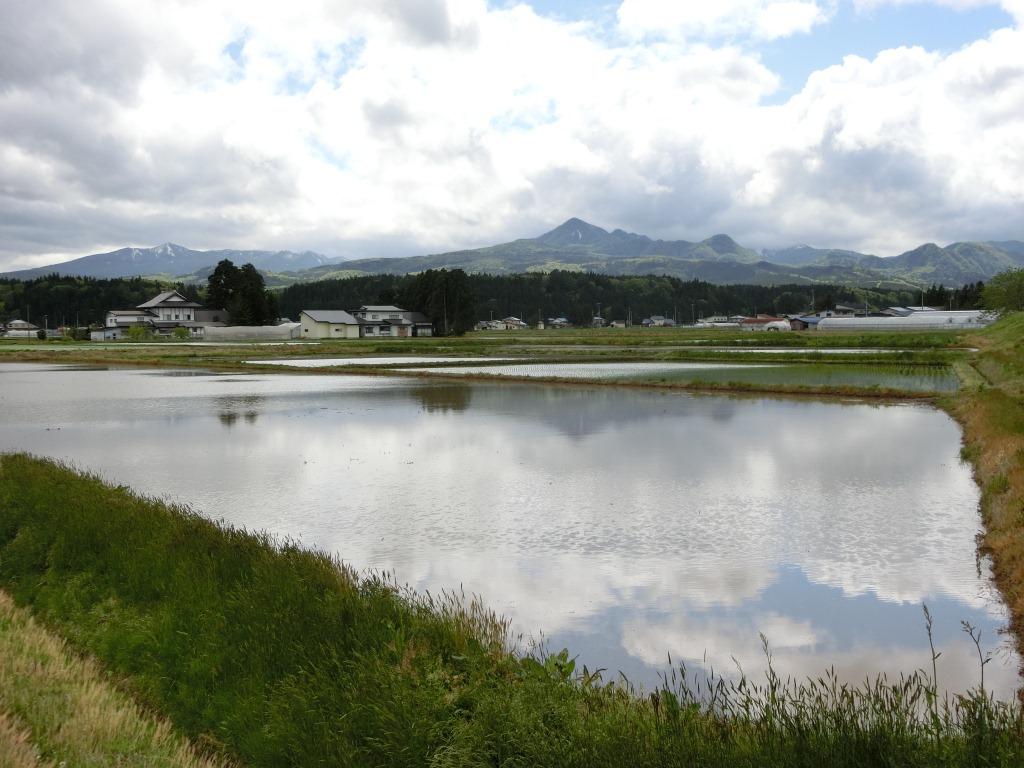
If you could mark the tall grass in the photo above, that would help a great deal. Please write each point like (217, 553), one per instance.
(59, 709)
(282, 656)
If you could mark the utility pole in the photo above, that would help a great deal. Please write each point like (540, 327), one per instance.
(693, 313)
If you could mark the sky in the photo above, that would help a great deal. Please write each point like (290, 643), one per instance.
(367, 128)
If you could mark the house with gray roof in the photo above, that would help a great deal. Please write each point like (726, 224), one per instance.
(328, 324)
(161, 316)
(367, 322)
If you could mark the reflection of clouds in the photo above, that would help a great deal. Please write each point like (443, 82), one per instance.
(572, 593)
(867, 498)
(718, 641)
(801, 651)
(562, 507)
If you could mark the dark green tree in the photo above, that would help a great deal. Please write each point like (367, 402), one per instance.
(443, 295)
(222, 284)
(242, 292)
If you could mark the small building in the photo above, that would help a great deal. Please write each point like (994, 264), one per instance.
(597, 322)
(20, 329)
(803, 322)
(658, 321)
(328, 324)
(763, 322)
(852, 310)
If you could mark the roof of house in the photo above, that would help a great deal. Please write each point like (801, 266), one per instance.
(380, 308)
(168, 299)
(132, 312)
(330, 316)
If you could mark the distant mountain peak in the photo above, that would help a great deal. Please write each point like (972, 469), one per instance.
(722, 244)
(574, 232)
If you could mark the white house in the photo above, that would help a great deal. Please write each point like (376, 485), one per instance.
(328, 324)
(376, 320)
(20, 329)
(161, 315)
(369, 321)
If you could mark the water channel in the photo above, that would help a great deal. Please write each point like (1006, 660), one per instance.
(624, 524)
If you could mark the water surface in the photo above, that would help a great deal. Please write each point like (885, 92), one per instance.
(624, 524)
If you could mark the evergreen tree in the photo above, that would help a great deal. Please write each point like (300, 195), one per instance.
(242, 292)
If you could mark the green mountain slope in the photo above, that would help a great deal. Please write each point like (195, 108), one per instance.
(579, 246)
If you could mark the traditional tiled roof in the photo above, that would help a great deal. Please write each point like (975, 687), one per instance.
(169, 299)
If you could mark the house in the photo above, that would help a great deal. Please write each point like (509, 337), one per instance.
(367, 322)
(558, 322)
(803, 322)
(20, 329)
(328, 324)
(509, 324)
(597, 322)
(658, 321)
(763, 323)
(851, 310)
(162, 316)
(384, 320)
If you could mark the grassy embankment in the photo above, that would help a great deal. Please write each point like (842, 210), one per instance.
(281, 656)
(57, 708)
(991, 411)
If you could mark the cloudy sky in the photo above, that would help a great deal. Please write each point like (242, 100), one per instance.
(395, 127)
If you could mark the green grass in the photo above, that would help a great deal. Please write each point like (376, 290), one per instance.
(281, 656)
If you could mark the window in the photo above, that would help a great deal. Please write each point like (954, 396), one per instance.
(373, 317)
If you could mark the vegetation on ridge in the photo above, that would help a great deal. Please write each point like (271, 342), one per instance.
(992, 415)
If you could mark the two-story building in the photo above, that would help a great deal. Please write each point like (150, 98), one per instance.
(161, 316)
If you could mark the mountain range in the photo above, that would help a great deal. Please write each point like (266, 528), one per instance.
(170, 260)
(579, 246)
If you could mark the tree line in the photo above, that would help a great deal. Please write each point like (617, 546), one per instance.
(579, 297)
(78, 300)
(454, 300)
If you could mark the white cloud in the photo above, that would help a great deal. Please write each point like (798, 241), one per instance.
(364, 129)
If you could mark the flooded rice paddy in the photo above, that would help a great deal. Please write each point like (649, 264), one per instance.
(625, 524)
(911, 378)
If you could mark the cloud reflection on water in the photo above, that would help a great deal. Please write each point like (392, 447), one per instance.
(627, 523)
